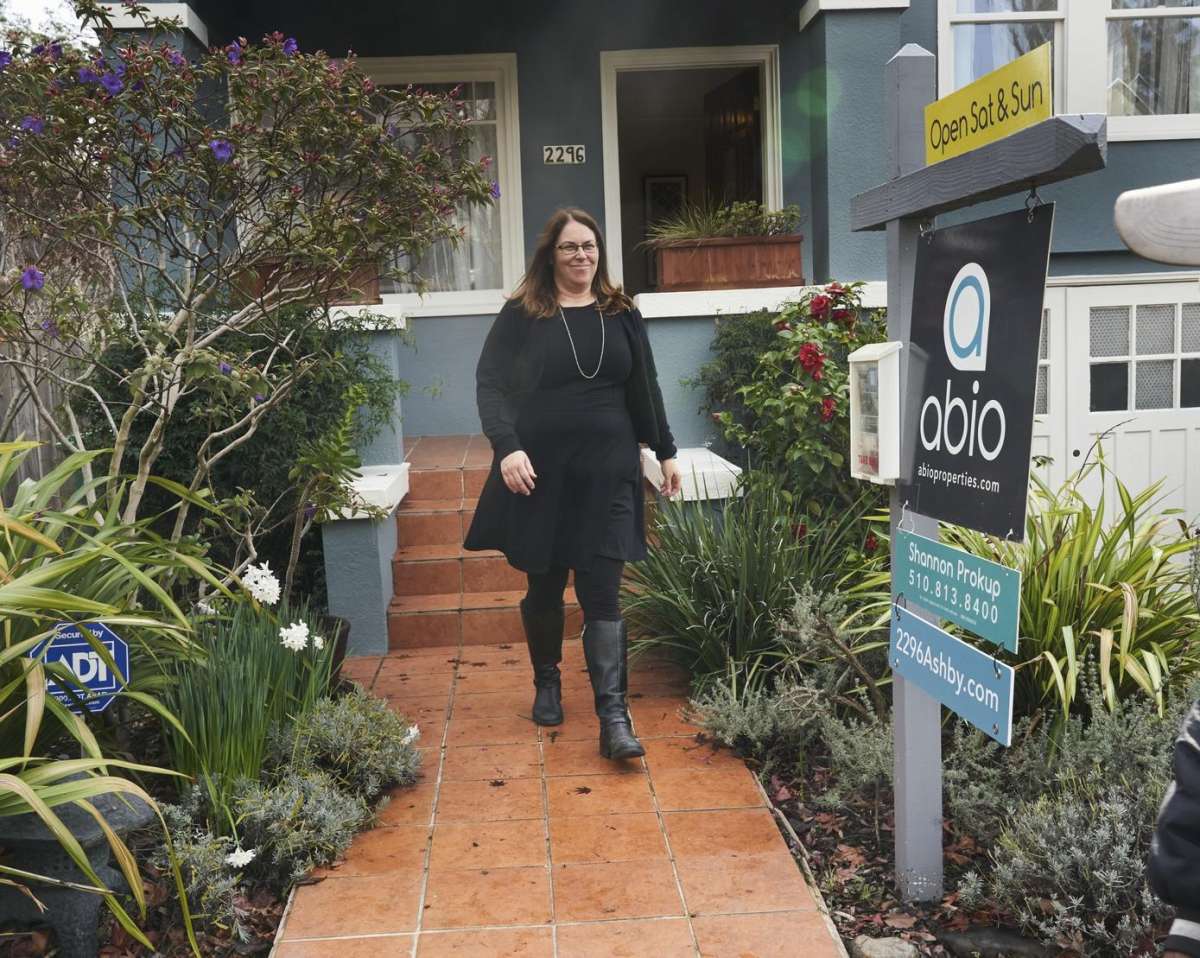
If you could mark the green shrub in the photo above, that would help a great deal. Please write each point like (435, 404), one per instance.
(356, 739)
(861, 754)
(742, 218)
(300, 821)
(713, 588)
(794, 422)
(1112, 585)
(228, 701)
(1071, 868)
(210, 882)
(773, 726)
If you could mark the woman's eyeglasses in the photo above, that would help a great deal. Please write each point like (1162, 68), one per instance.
(570, 249)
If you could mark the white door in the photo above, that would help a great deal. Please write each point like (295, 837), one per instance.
(1133, 366)
(1051, 452)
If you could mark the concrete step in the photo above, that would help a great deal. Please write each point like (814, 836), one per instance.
(472, 618)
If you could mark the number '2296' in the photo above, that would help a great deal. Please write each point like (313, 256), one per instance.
(563, 154)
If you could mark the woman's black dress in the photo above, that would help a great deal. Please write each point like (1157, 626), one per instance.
(581, 441)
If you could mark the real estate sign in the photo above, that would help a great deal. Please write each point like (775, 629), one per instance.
(976, 593)
(967, 681)
(996, 105)
(976, 320)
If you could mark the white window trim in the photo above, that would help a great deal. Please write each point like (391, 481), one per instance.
(123, 20)
(501, 69)
(613, 62)
(1082, 75)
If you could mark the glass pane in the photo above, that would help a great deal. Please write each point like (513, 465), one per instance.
(1154, 66)
(1110, 331)
(1150, 4)
(1044, 336)
(1155, 329)
(475, 261)
(1041, 395)
(1155, 384)
(1110, 387)
(1189, 383)
(1005, 6)
(980, 48)
(1191, 327)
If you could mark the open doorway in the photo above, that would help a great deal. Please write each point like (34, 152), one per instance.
(684, 135)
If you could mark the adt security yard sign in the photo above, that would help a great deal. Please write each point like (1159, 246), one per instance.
(977, 594)
(968, 682)
(70, 648)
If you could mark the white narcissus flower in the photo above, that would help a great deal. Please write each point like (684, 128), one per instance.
(294, 636)
(411, 735)
(241, 857)
(262, 584)
(318, 641)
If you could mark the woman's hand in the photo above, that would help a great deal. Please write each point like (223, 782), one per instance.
(672, 479)
(517, 472)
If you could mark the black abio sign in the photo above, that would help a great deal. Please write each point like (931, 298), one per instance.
(968, 419)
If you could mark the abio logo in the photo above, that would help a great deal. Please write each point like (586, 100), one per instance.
(966, 319)
(947, 421)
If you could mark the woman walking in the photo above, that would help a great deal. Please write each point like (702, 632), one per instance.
(566, 388)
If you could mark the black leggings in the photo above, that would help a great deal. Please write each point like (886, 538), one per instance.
(597, 589)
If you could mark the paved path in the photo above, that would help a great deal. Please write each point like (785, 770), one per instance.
(524, 842)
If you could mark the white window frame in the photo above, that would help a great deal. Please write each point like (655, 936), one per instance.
(500, 69)
(1081, 76)
(613, 62)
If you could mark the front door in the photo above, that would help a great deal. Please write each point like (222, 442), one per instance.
(1133, 371)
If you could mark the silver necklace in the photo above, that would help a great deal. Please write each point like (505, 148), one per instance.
(571, 340)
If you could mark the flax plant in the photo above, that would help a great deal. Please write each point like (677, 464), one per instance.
(714, 587)
(1104, 581)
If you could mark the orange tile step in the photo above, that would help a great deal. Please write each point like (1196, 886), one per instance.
(472, 618)
(442, 569)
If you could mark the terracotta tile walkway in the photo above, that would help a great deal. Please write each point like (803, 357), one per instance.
(524, 842)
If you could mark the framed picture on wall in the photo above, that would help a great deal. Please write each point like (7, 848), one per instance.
(663, 196)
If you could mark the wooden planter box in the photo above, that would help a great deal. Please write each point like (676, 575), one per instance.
(730, 262)
(361, 289)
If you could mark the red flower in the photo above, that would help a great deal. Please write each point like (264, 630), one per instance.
(799, 530)
(871, 544)
(783, 325)
(841, 314)
(811, 360)
(836, 289)
(819, 305)
(828, 408)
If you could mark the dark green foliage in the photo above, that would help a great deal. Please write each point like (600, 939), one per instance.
(356, 739)
(301, 821)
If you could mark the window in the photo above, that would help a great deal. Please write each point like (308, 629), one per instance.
(1147, 80)
(473, 274)
(1144, 357)
(1041, 394)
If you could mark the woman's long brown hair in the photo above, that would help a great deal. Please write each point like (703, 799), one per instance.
(538, 295)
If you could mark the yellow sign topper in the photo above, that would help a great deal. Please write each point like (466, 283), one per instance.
(996, 105)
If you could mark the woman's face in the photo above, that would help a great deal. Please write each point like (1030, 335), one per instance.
(575, 267)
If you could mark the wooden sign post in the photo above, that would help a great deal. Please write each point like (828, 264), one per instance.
(1054, 149)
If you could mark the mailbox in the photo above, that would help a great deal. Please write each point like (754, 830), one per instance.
(875, 412)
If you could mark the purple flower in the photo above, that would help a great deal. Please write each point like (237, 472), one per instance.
(5, 59)
(33, 279)
(225, 368)
(258, 397)
(37, 50)
(495, 191)
(13, 142)
(51, 327)
(55, 50)
(119, 68)
(175, 58)
(137, 86)
(112, 83)
(88, 75)
(33, 124)
(290, 46)
(234, 52)
(222, 150)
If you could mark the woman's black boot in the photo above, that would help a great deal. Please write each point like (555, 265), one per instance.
(544, 636)
(604, 647)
